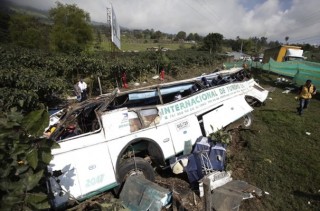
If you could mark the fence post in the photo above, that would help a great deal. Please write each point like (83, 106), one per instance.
(207, 194)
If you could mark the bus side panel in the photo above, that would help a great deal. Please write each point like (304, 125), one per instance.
(160, 134)
(118, 134)
(183, 131)
(69, 182)
(85, 165)
(230, 111)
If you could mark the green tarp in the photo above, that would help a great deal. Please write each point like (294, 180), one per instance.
(300, 71)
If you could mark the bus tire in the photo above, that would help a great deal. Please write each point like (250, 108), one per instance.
(247, 121)
(133, 166)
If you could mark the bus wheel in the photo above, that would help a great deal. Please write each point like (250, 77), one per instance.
(247, 121)
(134, 166)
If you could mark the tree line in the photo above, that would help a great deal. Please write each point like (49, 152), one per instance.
(68, 29)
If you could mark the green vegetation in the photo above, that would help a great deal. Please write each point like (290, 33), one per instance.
(71, 31)
(145, 46)
(23, 160)
(213, 42)
(27, 31)
(34, 79)
(277, 154)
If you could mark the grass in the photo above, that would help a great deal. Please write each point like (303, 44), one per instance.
(140, 45)
(145, 46)
(278, 156)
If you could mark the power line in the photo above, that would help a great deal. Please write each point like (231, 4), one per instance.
(202, 14)
(315, 38)
(304, 22)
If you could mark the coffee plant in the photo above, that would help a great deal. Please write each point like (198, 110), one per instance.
(24, 157)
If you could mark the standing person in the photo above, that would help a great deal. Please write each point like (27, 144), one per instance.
(305, 94)
(83, 87)
(77, 91)
(162, 74)
(124, 80)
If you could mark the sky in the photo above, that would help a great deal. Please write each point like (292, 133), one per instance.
(275, 19)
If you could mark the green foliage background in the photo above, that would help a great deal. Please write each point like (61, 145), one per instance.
(23, 160)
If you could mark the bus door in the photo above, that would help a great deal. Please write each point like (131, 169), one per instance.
(184, 133)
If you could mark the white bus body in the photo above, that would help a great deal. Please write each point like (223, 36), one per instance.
(95, 160)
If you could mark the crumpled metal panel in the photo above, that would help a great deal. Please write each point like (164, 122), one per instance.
(139, 194)
(230, 195)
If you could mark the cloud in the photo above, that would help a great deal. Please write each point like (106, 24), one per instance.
(274, 19)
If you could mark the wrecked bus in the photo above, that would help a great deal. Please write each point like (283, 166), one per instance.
(127, 133)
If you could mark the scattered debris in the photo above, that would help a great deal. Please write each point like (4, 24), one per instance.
(308, 133)
(281, 80)
(217, 179)
(139, 193)
(230, 195)
(267, 160)
(270, 89)
(287, 90)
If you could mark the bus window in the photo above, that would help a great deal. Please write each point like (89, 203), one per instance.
(134, 121)
(149, 116)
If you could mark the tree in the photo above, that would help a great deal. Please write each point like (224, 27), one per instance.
(137, 34)
(27, 31)
(273, 44)
(190, 37)
(263, 41)
(98, 39)
(181, 35)
(286, 38)
(146, 34)
(197, 37)
(157, 35)
(248, 46)
(213, 42)
(71, 30)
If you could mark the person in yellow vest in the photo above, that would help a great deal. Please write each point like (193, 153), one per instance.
(305, 94)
